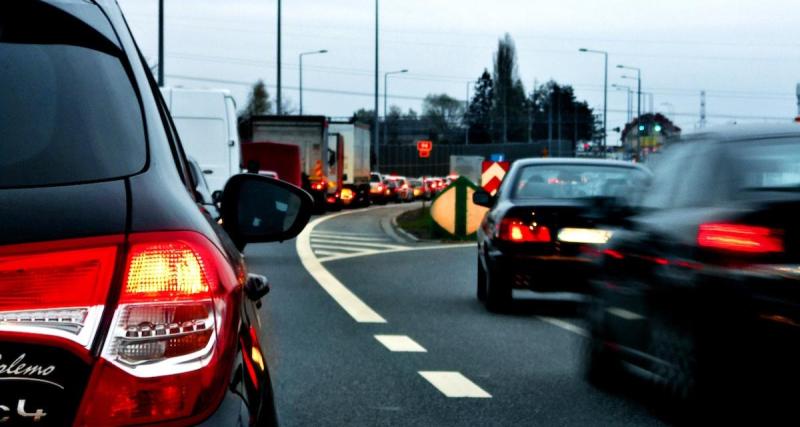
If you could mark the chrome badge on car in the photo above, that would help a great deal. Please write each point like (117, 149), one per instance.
(19, 370)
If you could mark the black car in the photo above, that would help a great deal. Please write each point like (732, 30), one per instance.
(536, 229)
(121, 301)
(700, 290)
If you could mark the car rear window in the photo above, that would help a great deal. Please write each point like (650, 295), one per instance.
(766, 164)
(68, 110)
(574, 181)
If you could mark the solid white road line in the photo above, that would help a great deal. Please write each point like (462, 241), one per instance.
(353, 305)
(625, 314)
(453, 384)
(323, 253)
(400, 343)
(565, 325)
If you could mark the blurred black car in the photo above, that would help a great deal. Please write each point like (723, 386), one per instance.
(535, 231)
(700, 291)
(121, 302)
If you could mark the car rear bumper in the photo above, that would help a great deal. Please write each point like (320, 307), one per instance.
(551, 273)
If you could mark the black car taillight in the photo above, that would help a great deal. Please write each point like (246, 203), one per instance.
(518, 231)
(168, 350)
(740, 238)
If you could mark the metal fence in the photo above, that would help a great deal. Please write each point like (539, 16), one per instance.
(405, 160)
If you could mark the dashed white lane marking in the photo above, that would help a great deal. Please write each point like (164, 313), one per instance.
(624, 314)
(348, 238)
(453, 384)
(352, 304)
(400, 343)
(349, 235)
(321, 252)
(565, 325)
(316, 240)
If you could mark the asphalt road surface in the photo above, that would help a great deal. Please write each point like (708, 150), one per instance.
(365, 327)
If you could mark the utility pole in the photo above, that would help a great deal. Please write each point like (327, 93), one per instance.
(702, 123)
(550, 124)
(532, 112)
(558, 129)
(279, 107)
(375, 135)
(385, 105)
(161, 43)
(313, 52)
(605, 94)
(466, 111)
(638, 103)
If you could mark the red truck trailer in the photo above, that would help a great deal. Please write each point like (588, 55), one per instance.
(283, 159)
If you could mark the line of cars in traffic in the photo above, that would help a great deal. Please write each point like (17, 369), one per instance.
(399, 189)
(692, 270)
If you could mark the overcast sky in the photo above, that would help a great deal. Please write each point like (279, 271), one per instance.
(745, 54)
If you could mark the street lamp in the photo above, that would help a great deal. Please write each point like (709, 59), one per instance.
(385, 92)
(313, 52)
(638, 102)
(605, 93)
(630, 100)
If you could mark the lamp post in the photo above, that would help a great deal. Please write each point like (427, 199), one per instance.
(161, 43)
(279, 106)
(638, 102)
(313, 52)
(385, 93)
(375, 110)
(605, 93)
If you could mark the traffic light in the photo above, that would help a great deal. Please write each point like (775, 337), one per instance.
(642, 128)
(657, 128)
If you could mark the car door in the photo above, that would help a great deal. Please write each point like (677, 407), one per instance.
(642, 253)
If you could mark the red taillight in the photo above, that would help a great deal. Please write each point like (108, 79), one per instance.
(169, 347)
(56, 288)
(513, 230)
(319, 186)
(740, 238)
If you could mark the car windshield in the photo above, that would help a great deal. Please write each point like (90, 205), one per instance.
(575, 181)
(68, 111)
(374, 178)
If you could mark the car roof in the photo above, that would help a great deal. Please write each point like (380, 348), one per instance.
(740, 132)
(575, 161)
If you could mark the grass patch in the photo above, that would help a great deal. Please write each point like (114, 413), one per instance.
(418, 222)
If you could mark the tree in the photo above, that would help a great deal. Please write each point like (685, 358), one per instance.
(510, 105)
(442, 112)
(558, 115)
(478, 118)
(258, 102)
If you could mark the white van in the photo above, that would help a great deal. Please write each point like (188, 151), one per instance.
(206, 122)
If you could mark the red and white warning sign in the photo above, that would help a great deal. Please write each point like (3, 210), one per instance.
(492, 175)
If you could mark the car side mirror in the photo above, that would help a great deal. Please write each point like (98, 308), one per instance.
(256, 209)
(482, 197)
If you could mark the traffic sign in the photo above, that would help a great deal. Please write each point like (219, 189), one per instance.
(453, 211)
(424, 148)
(492, 174)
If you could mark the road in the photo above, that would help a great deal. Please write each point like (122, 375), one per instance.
(351, 289)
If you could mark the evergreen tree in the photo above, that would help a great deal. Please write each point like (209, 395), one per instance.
(510, 105)
(258, 102)
(478, 118)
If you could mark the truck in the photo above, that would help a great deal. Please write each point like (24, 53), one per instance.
(466, 166)
(310, 135)
(206, 124)
(354, 160)
(273, 157)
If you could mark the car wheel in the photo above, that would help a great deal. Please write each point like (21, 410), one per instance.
(498, 292)
(481, 281)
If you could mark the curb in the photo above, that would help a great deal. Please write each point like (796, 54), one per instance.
(400, 230)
